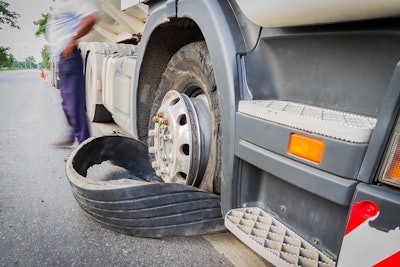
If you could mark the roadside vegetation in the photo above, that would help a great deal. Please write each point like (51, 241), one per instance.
(7, 58)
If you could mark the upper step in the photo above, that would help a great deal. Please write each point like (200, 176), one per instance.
(332, 123)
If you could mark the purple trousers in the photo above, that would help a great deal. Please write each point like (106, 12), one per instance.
(72, 87)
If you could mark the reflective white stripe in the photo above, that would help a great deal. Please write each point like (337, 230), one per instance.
(367, 246)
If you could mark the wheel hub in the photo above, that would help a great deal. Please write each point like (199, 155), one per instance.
(180, 145)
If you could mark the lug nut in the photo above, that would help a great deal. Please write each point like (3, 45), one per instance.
(155, 119)
(166, 121)
(152, 149)
(155, 165)
(152, 132)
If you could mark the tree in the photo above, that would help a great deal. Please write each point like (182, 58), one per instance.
(8, 17)
(45, 59)
(6, 59)
(30, 62)
(42, 30)
(4, 56)
(11, 60)
(42, 24)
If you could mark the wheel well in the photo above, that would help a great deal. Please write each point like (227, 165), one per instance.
(164, 42)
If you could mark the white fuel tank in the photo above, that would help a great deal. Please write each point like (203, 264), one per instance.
(123, 100)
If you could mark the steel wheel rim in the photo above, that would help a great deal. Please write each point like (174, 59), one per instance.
(181, 138)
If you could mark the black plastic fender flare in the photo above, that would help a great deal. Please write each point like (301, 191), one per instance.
(140, 205)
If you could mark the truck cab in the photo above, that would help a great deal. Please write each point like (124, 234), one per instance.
(288, 112)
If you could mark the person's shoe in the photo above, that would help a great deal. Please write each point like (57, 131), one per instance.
(63, 142)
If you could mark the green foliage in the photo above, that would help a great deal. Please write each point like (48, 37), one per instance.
(5, 57)
(3, 53)
(45, 59)
(42, 24)
(30, 62)
(8, 17)
(8, 61)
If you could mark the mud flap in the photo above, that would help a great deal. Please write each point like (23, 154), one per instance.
(112, 180)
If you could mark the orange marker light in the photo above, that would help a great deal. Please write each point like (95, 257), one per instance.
(306, 147)
(392, 173)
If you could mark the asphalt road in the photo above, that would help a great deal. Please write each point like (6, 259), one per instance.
(40, 222)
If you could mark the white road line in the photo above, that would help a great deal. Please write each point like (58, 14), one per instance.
(234, 250)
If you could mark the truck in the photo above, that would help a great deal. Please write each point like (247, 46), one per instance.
(276, 120)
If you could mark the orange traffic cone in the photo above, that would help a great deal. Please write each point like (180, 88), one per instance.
(42, 74)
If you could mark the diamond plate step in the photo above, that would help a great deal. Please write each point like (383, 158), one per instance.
(272, 240)
(332, 123)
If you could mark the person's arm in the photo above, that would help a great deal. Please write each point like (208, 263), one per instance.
(83, 29)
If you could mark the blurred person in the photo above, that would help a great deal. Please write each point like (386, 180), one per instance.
(70, 20)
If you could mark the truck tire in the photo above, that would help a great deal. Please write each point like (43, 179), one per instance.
(140, 204)
(190, 75)
(95, 112)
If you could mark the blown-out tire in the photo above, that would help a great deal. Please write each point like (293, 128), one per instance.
(140, 204)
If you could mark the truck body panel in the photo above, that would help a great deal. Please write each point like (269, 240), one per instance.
(277, 13)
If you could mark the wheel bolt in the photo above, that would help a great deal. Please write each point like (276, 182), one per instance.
(166, 121)
(155, 165)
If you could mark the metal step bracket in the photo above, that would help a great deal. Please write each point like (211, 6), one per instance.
(272, 240)
(335, 124)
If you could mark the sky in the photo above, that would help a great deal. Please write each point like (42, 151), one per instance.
(23, 42)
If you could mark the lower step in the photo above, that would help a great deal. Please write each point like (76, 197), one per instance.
(272, 240)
